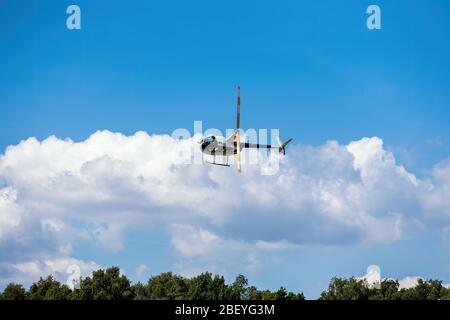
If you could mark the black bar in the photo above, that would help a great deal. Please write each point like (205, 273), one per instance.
(183, 310)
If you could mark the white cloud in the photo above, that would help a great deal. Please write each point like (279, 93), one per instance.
(110, 237)
(10, 211)
(408, 282)
(30, 271)
(191, 242)
(412, 281)
(200, 250)
(273, 246)
(141, 271)
(55, 193)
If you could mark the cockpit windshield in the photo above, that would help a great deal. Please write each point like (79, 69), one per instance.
(207, 141)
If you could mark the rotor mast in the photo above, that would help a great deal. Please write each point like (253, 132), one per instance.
(238, 126)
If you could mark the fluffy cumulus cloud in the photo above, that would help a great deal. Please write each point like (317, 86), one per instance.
(141, 271)
(409, 282)
(56, 193)
(373, 278)
(60, 268)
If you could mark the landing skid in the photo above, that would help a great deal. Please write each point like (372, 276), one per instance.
(214, 163)
(218, 164)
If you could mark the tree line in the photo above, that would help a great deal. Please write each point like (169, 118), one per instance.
(109, 284)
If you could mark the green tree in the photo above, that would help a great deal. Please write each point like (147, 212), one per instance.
(295, 296)
(388, 291)
(13, 292)
(105, 285)
(49, 289)
(109, 284)
(252, 293)
(167, 286)
(425, 290)
(347, 289)
(238, 289)
(280, 294)
(140, 291)
(205, 287)
(446, 293)
(268, 295)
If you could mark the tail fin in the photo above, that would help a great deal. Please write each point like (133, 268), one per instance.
(282, 147)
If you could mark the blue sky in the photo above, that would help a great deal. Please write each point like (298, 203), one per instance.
(310, 68)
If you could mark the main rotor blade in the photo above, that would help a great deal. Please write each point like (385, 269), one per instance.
(238, 126)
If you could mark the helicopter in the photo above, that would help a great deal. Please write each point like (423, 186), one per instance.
(232, 145)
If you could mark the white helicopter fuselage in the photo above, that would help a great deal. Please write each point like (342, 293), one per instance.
(218, 146)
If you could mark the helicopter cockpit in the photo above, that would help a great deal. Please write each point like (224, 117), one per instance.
(207, 141)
